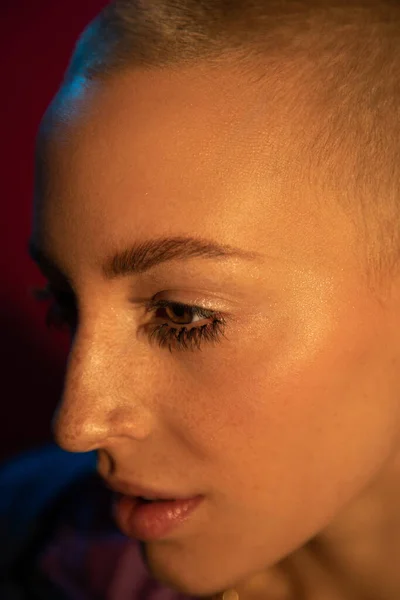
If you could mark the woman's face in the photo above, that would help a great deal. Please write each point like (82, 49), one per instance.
(290, 414)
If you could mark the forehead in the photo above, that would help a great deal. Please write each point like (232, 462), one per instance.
(196, 115)
(175, 152)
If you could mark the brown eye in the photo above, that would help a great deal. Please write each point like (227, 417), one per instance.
(182, 338)
(182, 315)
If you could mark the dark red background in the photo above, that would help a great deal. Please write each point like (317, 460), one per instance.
(36, 40)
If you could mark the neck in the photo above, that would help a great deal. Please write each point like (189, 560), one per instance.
(354, 558)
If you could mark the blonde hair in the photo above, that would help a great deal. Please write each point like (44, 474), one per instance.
(352, 50)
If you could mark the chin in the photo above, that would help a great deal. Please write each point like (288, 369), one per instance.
(181, 576)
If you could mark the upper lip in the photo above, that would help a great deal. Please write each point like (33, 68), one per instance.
(129, 489)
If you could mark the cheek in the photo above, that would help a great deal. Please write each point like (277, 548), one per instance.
(287, 414)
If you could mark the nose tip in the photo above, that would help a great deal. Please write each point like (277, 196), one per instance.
(74, 434)
(86, 428)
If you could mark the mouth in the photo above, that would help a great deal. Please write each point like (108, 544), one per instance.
(144, 500)
(151, 519)
(148, 514)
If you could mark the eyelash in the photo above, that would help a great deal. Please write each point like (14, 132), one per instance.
(62, 312)
(184, 338)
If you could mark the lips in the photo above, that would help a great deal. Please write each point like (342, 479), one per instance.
(152, 520)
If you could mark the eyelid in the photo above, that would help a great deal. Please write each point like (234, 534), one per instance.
(152, 305)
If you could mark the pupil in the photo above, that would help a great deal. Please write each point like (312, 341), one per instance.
(178, 313)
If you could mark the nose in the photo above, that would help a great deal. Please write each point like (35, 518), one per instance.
(101, 401)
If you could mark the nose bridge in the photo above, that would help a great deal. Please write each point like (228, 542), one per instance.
(97, 403)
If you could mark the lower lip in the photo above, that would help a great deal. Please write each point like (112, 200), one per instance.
(152, 520)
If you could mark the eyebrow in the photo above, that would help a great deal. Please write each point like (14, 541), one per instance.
(143, 256)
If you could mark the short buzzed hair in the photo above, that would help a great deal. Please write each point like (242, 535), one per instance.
(346, 52)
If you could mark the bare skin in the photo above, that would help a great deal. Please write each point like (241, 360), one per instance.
(290, 424)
